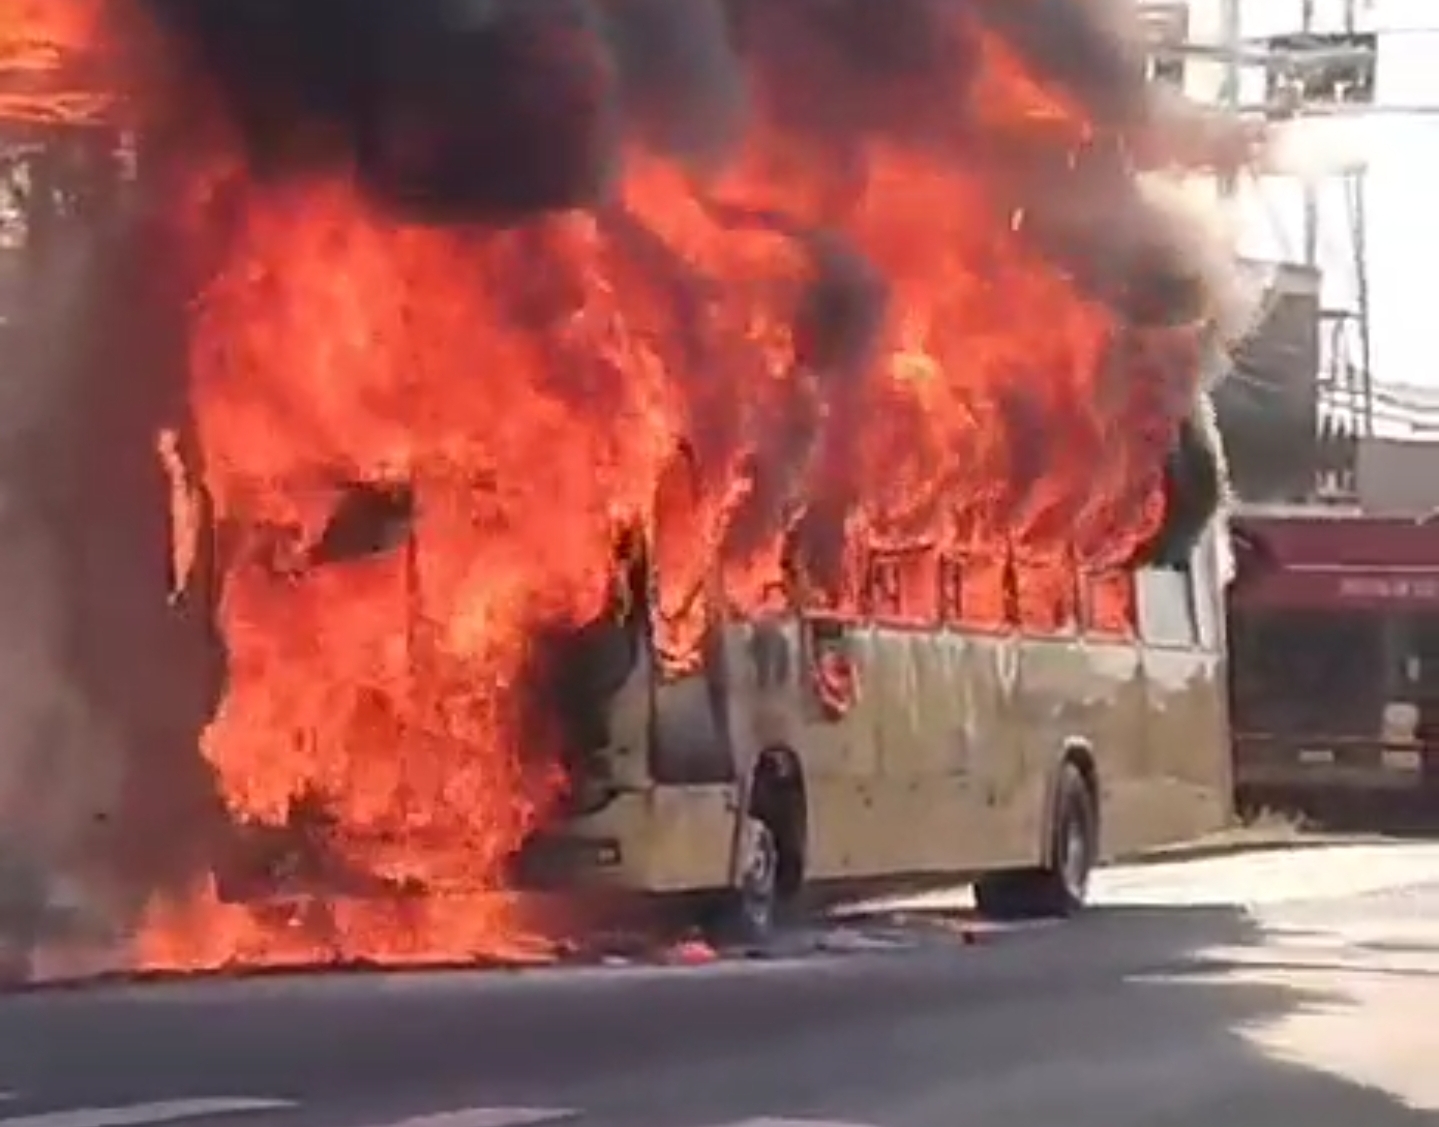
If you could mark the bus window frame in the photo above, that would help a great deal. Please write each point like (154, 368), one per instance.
(1071, 632)
(951, 611)
(867, 612)
(946, 569)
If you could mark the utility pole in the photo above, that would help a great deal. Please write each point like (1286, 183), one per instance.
(1232, 42)
(1320, 65)
(1309, 188)
(1326, 66)
(1357, 200)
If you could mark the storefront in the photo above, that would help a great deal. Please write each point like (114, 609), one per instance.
(1334, 658)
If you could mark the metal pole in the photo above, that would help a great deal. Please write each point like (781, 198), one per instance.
(1359, 225)
(1311, 193)
(1232, 37)
(1311, 224)
(1359, 218)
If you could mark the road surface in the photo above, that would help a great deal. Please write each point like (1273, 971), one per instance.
(1277, 989)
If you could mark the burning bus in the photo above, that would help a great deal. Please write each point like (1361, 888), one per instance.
(694, 447)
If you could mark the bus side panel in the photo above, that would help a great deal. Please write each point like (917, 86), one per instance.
(912, 776)
(946, 750)
(1183, 787)
(857, 820)
(776, 702)
(1074, 695)
(946, 788)
(976, 692)
(1183, 791)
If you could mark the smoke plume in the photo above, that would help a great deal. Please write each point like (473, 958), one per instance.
(499, 109)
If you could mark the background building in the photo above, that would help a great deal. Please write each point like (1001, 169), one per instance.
(1301, 393)
(1334, 622)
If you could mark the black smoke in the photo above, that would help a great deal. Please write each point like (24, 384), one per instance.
(500, 111)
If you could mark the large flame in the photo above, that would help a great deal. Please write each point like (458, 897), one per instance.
(511, 398)
(331, 350)
(46, 72)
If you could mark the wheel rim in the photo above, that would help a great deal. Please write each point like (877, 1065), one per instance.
(761, 873)
(1075, 850)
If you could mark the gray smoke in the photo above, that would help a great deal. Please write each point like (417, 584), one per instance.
(59, 763)
(681, 80)
(501, 111)
(104, 685)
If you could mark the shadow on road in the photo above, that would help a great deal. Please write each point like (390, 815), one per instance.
(1129, 1016)
(1247, 1030)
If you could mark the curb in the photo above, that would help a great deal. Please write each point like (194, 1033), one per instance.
(1207, 850)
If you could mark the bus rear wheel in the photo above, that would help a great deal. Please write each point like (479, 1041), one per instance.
(1059, 887)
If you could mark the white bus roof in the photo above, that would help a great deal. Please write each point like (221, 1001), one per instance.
(1300, 510)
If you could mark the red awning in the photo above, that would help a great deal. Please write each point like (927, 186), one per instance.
(1339, 563)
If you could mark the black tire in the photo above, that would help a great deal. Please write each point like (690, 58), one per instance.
(1059, 888)
(771, 884)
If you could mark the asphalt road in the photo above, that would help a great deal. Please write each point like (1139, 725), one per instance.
(1174, 1004)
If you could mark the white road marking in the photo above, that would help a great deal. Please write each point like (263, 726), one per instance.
(136, 1115)
(478, 1117)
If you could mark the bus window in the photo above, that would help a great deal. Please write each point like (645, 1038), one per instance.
(835, 599)
(1108, 605)
(972, 592)
(1046, 594)
(1210, 573)
(900, 585)
(823, 570)
(1166, 607)
(679, 608)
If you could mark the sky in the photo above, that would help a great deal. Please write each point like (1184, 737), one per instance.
(1401, 154)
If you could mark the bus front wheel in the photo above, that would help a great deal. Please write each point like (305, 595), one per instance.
(1060, 886)
(744, 915)
(771, 863)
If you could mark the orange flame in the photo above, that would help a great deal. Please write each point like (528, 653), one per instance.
(44, 55)
(524, 393)
(383, 689)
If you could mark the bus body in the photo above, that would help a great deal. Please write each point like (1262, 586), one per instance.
(916, 745)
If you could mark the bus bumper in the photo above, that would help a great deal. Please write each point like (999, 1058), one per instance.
(662, 839)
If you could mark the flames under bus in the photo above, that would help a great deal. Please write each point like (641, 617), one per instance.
(806, 749)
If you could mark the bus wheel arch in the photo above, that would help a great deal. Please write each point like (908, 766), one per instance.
(1069, 848)
(779, 798)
